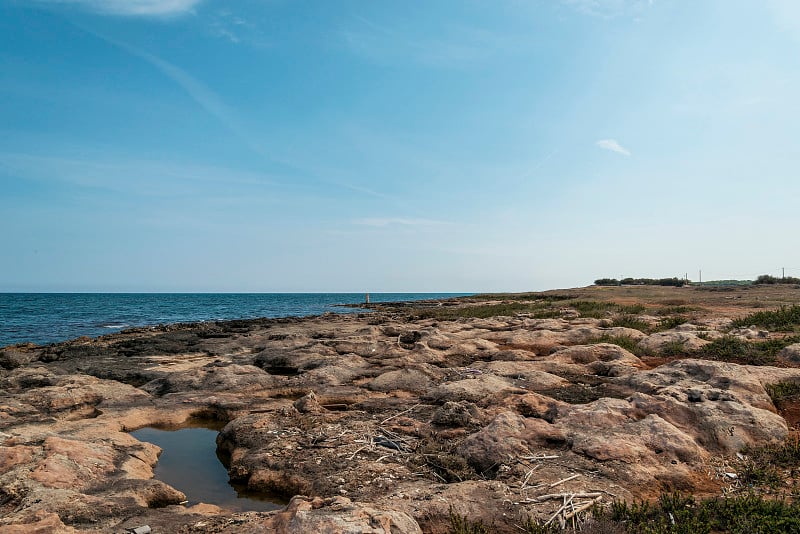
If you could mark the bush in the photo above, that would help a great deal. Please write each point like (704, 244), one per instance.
(785, 318)
(606, 282)
(675, 282)
(677, 514)
(733, 349)
(767, 279)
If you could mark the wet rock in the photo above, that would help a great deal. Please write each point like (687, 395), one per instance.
(408, 339)
(13, 357)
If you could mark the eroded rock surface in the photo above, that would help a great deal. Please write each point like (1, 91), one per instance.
(375, 423)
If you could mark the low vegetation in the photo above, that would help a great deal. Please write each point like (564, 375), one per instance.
(678, 514)
(483, 311)
(783, 392)
(672, 513)
(785, 318)
(767, 279)
(675, 282)
(737, 350)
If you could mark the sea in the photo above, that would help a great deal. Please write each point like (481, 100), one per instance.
(44, 318)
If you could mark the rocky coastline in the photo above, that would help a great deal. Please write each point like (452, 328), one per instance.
(494, 409)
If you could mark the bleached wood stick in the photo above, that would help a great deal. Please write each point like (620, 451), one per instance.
(554, 484)
(583, 507)
(552, 496)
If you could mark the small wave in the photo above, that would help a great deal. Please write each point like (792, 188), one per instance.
(115, 325)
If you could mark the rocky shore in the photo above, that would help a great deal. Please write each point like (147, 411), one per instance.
(492, 409)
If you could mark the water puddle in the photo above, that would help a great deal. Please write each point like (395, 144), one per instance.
(190, 463)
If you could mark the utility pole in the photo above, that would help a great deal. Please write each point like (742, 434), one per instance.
(783, 273)
(701, 276)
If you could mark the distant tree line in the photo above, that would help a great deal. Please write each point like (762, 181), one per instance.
(676, 282)
(767, 279)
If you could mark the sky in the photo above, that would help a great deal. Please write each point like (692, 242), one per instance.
(383, 146)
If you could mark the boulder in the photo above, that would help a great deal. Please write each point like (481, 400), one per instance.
(687, 342)
(505, 439)
(473, 389)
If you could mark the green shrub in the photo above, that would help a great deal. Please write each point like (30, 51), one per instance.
(677, 514)
(785, 318)
(767, 279)
(782, 391)
(733, 349)
(668, 323)
(630, 321)
(461, 525)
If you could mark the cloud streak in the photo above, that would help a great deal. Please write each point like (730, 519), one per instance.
(136, 8)
(613, 146)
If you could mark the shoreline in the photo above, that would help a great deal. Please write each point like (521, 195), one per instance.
(48, 318)
(401, 415)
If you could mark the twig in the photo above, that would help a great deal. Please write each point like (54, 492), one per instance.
(556, 514)
(553, 496)
(544, 457)
(583, 507)
(437, 475)
(527, 477)
(554, 484)
(397, 415)
(359, 450)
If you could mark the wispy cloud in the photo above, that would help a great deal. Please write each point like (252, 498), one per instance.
(140, 8)
(613, 146)
(138, 177)
(195, 89)
(380, 222)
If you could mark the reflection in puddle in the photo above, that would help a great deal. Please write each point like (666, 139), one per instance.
(189, 463)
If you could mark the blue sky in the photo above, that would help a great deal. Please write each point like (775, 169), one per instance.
(471, 145)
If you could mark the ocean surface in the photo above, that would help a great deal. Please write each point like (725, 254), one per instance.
(50, 317)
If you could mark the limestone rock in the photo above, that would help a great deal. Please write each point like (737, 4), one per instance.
(41, 522)
(505, 439)
(339, 515)
(401, 380)
(791, 353)
(687, 341)
(13, 357)
(455, 414)
(473, 389)
(308, 404)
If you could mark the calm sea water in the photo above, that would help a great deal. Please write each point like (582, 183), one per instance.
(50, 317)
